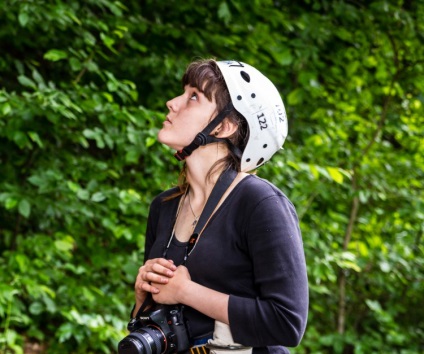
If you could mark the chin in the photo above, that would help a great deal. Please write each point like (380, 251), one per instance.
(169, 144)
(162, 137)
(168, 141)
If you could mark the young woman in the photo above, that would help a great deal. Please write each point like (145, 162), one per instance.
(246, 268)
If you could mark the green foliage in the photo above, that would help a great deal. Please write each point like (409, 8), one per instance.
(83, 92)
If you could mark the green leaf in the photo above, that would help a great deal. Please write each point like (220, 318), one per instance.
(24, 208)
(83, 194)
(98, 197)
(10, 203)
(63, 245)
(36, 308)
(25, 81)
(224, 12)
(21, 139)
(75, 64)
(74, 187)
(282, 55)
(6, 108)
(335, 174)
(55, 55)
(36, 138)
(108, 42)
(150, 141)
(295, 97)
(23, 262)
(23, 19)
(38, 78)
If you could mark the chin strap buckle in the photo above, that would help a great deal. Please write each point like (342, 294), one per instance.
(180, 155)
(200, 140)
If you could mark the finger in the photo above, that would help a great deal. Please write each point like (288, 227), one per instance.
(153, 277)
(163, 270)
(160, 265)
(149, 288)
(167, 263)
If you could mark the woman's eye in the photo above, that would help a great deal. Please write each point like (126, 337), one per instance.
(193, 96)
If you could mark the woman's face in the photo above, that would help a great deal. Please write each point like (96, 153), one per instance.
(188, 115)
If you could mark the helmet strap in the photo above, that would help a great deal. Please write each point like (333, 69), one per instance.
(204, 137)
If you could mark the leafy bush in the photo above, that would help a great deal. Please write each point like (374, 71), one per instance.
(79, 160)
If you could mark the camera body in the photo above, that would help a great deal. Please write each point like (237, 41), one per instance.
(161, 330)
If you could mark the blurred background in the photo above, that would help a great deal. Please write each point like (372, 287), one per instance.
(83, 86)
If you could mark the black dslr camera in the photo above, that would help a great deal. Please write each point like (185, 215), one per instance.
(161, 330)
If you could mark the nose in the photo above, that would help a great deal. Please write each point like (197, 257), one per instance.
(173, 104)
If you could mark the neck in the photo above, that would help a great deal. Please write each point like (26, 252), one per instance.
(199, 175)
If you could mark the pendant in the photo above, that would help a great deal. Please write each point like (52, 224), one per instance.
(194, 223)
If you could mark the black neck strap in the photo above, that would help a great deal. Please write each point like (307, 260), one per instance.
(203, 138)
(224, 181)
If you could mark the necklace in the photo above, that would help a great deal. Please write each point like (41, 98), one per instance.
(196, 218)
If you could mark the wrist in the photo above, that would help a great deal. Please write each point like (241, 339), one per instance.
(139, 299)
(185, 292)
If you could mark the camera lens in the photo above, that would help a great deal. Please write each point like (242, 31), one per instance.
(147, 340)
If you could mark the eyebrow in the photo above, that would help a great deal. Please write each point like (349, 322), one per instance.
(194, 87)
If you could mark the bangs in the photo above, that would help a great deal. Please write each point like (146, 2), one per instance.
(205, 76)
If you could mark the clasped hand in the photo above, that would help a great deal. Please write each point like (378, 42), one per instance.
(163, 279)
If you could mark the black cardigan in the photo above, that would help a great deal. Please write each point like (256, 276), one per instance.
(252, 250)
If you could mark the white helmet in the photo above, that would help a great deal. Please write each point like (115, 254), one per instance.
(256, 98)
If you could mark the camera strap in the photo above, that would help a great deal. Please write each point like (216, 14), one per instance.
(224, 181)
(221, 186)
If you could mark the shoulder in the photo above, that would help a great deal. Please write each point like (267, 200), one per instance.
(164, 198)
(258, 188)
(164, 195)
(256, 193)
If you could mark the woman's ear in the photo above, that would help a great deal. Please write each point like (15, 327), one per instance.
(225, 129)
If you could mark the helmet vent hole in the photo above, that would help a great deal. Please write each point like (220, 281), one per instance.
(247, 160)
(260, 161)
(265, 146)
(239, 97)
(245, 76)
(253, 95)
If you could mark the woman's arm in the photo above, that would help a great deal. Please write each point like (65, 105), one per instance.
(180, 289)
(278, 314)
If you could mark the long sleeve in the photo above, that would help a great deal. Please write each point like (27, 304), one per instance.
(277, 316)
